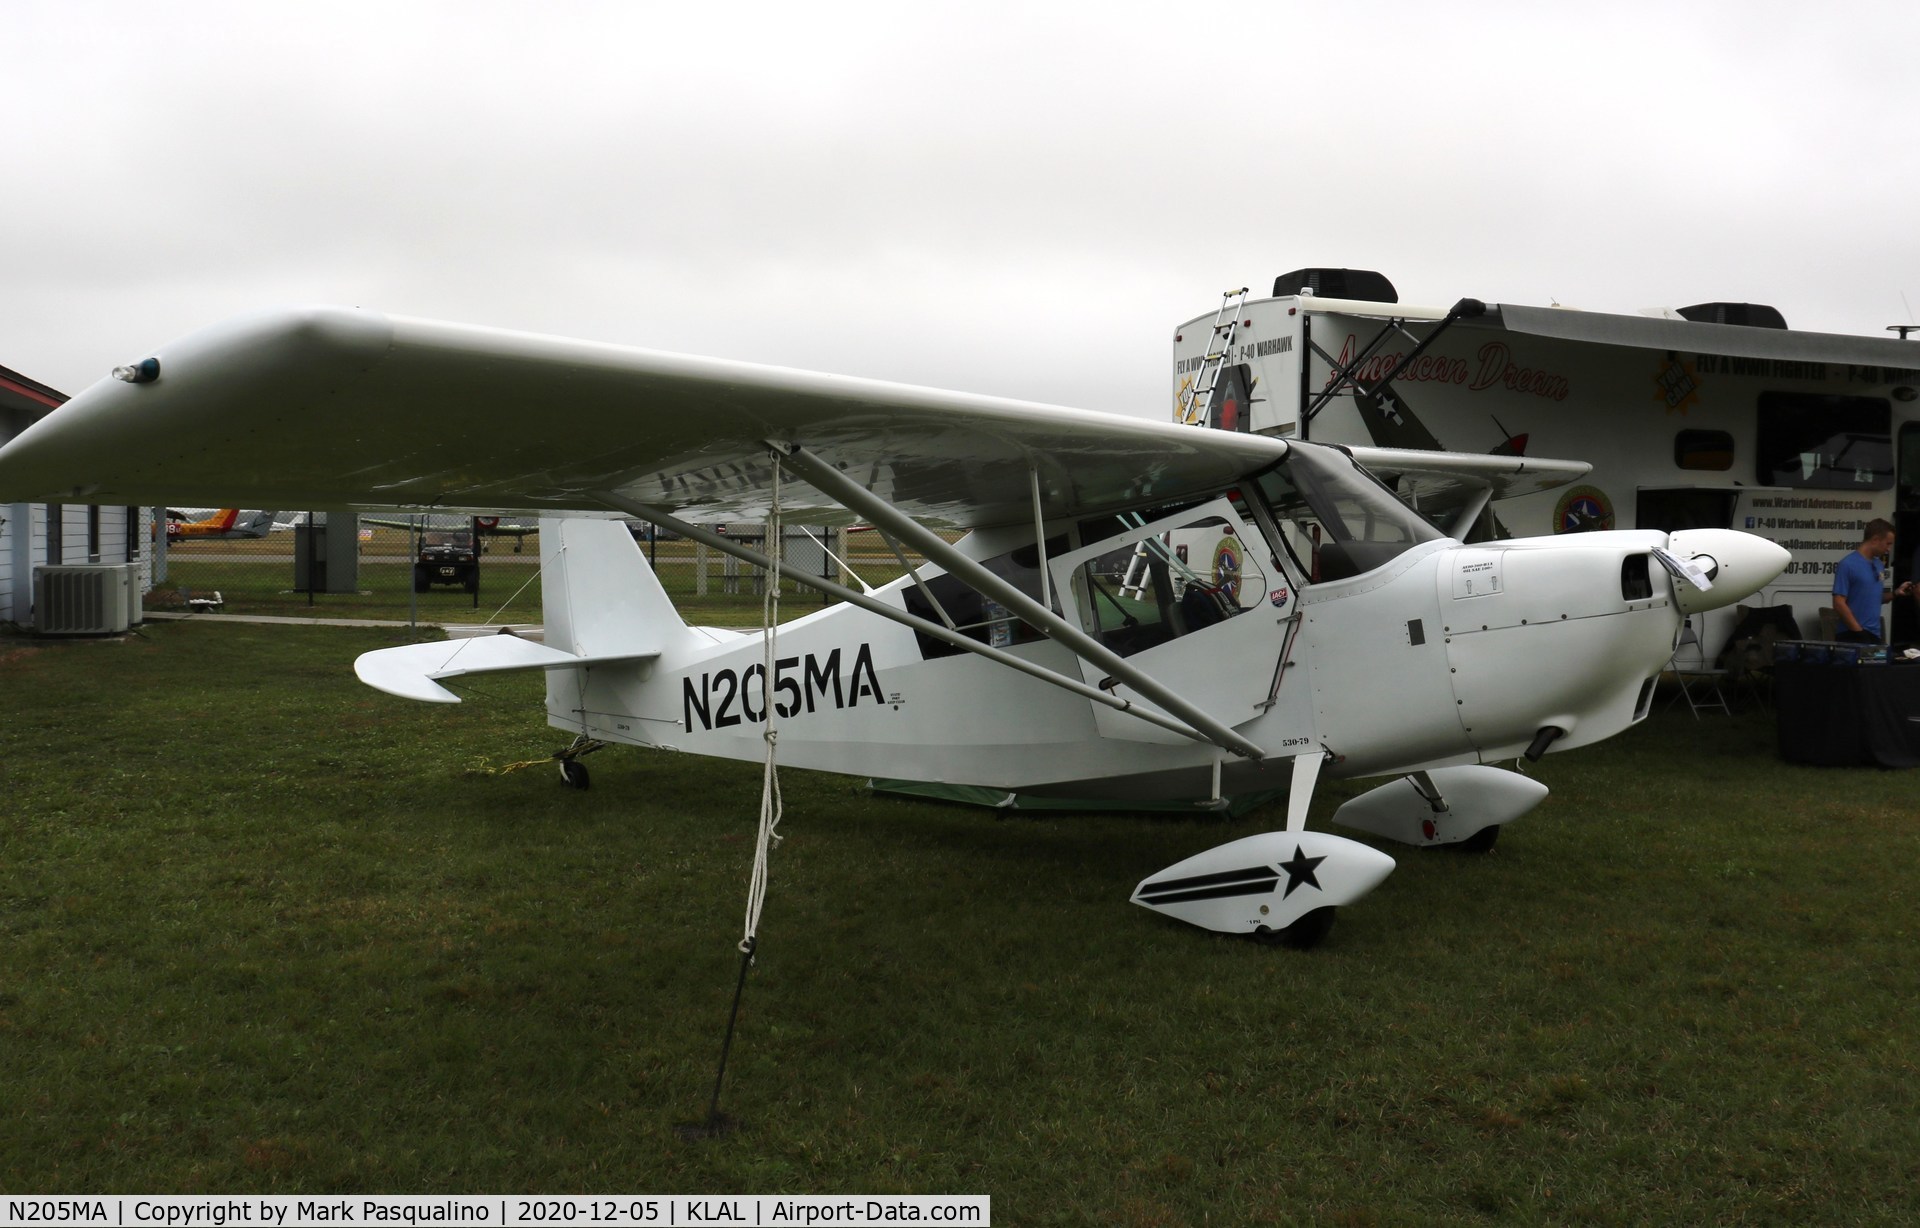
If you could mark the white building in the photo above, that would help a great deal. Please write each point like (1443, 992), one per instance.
(32, 534)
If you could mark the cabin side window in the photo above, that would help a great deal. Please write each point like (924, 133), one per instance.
(1142, 579)
(1184, 578)
(1820, 441)
(977, 617)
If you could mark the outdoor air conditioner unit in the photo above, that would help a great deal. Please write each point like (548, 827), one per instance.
(86, 599)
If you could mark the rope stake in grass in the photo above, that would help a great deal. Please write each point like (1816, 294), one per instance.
(718, 1123)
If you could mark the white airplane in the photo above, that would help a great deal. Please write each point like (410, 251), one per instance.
(1356, 638)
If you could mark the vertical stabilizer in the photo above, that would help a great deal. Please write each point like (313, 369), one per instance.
(600, 597)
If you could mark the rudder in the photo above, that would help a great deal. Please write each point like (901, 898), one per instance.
(599, 596)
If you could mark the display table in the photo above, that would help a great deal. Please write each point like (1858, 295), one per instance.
(1844, 715)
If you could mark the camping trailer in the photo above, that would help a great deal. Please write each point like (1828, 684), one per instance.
(1712, 416)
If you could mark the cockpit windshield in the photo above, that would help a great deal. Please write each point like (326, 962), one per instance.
(1343, 514)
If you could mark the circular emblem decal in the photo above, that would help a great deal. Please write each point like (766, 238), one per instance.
(1226, 568)
(1583, 509)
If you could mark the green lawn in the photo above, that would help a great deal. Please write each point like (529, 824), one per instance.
(263, 929)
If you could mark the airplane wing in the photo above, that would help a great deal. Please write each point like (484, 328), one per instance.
(353, 409)
(1439, 484)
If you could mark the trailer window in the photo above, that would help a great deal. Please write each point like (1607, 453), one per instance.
(1710, 450)
(1674, 509)
(1817, 441)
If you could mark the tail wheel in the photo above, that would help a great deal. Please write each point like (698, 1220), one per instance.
(574, 773)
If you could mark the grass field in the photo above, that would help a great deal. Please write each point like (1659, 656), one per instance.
(264, 930)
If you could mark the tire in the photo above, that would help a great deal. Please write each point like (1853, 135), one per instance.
(1481, 841)
(574, 773)
(1303, 935)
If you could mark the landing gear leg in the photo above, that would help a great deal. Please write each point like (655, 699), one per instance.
(1306, 774)
(1312, 928)
(1481, 841)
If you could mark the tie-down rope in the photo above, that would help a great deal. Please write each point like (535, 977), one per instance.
(717, 1123)
(770, 808)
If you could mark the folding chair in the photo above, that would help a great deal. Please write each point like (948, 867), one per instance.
(1705, 677)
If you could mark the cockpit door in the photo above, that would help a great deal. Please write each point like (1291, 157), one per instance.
(1192, 599)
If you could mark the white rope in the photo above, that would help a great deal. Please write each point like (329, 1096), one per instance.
(770, 809)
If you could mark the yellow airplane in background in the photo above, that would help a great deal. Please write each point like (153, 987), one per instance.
(216, 523)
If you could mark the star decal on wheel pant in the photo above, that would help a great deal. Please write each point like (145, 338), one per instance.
(1300, 870)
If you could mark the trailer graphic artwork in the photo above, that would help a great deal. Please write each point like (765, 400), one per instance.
(1583, 509)
(1492, 366)
(1226, 568)
(1676, 385)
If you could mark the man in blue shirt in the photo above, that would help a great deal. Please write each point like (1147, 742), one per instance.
(1857, 591)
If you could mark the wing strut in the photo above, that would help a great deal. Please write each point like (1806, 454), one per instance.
(724, 545)
(1470, 512)
(836, 485)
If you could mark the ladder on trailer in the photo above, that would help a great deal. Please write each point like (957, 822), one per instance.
(1139, 573)
(1192, 408)
(1226, 322)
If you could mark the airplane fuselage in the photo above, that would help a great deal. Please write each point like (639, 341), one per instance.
(1510, 639)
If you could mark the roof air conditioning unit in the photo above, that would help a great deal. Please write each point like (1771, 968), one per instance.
(1751, 315)
(1362, 284)
(86, 599)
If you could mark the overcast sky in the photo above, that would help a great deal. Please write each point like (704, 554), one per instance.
(1021, 199)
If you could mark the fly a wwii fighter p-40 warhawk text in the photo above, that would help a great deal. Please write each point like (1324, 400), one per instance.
(1139, 610)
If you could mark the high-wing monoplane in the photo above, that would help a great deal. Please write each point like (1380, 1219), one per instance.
(1138, 610)
(216, 524)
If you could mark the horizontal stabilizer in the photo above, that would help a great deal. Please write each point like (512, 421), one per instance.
(414, 671)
